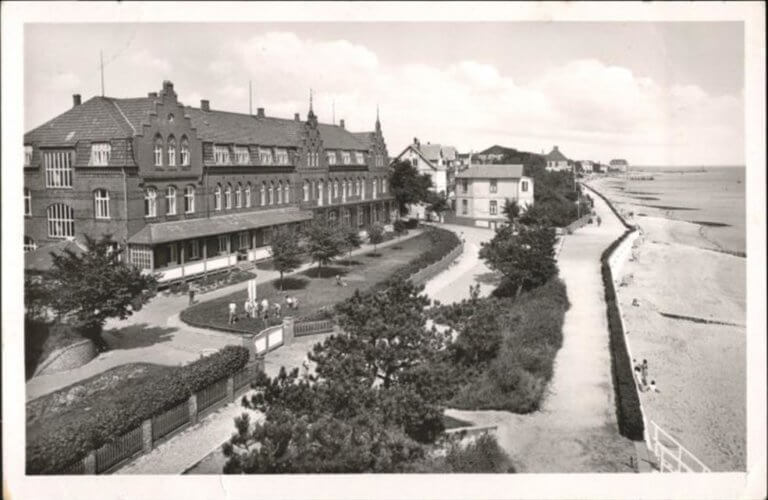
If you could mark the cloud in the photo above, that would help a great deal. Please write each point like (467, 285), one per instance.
(147, 60)
(64, 81)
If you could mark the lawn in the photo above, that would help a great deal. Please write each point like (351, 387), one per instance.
(315, 292)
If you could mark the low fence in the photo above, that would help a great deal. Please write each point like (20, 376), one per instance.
(423, 275)
(162, 426)
(303, 328)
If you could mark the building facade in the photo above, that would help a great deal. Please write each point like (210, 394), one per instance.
(618, 165)
(483, 190)
(557, 161)
(437, 161)
(190, 190)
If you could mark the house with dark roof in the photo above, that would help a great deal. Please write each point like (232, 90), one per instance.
(191, 190)
(618, 165)
(483, 190)
(557, 161)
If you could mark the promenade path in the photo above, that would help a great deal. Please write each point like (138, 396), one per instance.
(575, 430)
(157, 335)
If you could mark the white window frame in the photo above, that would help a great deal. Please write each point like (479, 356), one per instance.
(279, 192)
(101, 203)
(239, 196)
(330, 157)
(27, 155)
(173, 253)
(189, 199)
(222, 239)
(243, 240)
(263, 194)
(27, 201)
(281, 156)
(29, 244)
(383, 186)
(194, 249)
(359, 158)
(150, 203)
(58, 169)
(171, 151)
(335, 188)
(265, 156)
(287, 192)
(221, 154)
(524, 186)
(305, 189)
(170, 200)
(158, 151)
(493, 207)
(217, 198)
(271, 193)
(228, 197)
(184, 151)
(100, 153)
(493, 186)
(141, 256)
(346, 158)
(248, 194)
(242, 155)
(61, 221)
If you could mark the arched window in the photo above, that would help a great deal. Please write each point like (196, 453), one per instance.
(344, 190)
(61, 221)
(384, 186)
(170, 200)
(172, 151)
(336, 188)
(29, 244)
(27, 202)
(158, 151)
(320, 193)
(287, 195)
(150, 202)
(184, 151)
(101, 203)
(362, 188)
(279, 192)
(271, 195)
(263, 194)
(239, 195)
(330, 190)
(248, 195)
(375, 187)
(306, 190)
(217, 198)
(228, 197)
(189, 200)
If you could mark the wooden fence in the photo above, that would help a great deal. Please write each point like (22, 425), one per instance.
(313, 327)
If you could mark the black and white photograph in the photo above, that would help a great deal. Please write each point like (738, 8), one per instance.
(384, 250)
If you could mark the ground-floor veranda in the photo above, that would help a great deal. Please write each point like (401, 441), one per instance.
(192, 251)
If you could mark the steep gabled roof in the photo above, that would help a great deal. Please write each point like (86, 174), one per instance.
(496, 150)
(492, 172)
(97, 119)
(416, 150)
(556, 155)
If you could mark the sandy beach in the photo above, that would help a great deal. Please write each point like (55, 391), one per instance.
(678, 268)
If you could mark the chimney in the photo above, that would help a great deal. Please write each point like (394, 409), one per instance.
(152, 94)
(205, 105)
(296, 117)
(75, 100)
(260, 112)
(341, 123)
(167, 86)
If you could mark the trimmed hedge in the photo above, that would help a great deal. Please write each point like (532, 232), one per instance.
(70, 436)
(442, 242)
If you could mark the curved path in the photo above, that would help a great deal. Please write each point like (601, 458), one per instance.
(575, 430)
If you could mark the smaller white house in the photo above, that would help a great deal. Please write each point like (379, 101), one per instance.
(483, 190)
(587, 166)
(556, 161)
(436, 161)
(619, 165)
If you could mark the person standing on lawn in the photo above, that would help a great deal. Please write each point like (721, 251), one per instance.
(232, 312)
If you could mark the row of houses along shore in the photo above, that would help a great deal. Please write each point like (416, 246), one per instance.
(189, 190)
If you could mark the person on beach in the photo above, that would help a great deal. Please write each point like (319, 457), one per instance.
(644, 372)
(232, 312)
(652, 387)
(599, 221)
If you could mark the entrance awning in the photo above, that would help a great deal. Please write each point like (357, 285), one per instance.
(165, 232)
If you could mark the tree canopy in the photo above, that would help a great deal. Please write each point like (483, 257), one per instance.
(324, 241)
(375, 235)
(408, 186)
(286, 252)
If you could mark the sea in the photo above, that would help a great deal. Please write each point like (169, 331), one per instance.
(713, 197)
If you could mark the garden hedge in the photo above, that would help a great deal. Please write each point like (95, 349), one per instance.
(70, 436)
(442, 242)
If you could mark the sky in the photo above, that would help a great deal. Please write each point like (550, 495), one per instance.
(654, 93)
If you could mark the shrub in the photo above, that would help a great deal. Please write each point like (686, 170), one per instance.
(482, 455)
(412, 223)
(70, 436)
(400, 227)
(442, 242)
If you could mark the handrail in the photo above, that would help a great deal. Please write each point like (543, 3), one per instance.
(660, 450)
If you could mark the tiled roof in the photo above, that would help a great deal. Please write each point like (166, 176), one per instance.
(164, 232)
(449, 153)
(135, 110)
(556, 155)
(492, 172)
(40, 260)
(365, 138)
(335, 137)
(96, 119)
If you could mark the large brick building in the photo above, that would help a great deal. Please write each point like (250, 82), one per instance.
(191, 190)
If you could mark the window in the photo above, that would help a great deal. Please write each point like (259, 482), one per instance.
(173, 253)
(346, 158)
(27, 202)
(265, 156)
(217, 198)
(58, 169)
(27, 156)
(189, 200)
(331, 157)
(464, 207)
(493, 209)
(415, 162)
(320, 193)
(312, 159)
(100, 152)
(362, 188)
(359, 158)
(281, 156)
(223, 243)
(158, 150)
(228, 197)
(242, 240)
(383, 185)
(287, 192)
(330, 191)
(263, 193)
(280, 192)
(336, 188)
(242, 156)
(306, 190)
(464, 186)
(184, 151)
(141, 256)
(61, 221)
(29, 244)
(248, 195)
(494, 186)
(150, 202)
(101, 203)
(271, 194)
(524, 186)
(375, 188)
(345, 217)
(194, 249)
(221, 155)
(239, 196)
(332, 216)
(359, 216)
(379, 161)
(170, 200)
(172, 151)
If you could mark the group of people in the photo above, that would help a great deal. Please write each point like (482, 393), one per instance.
(263, 309)
(641, 377)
